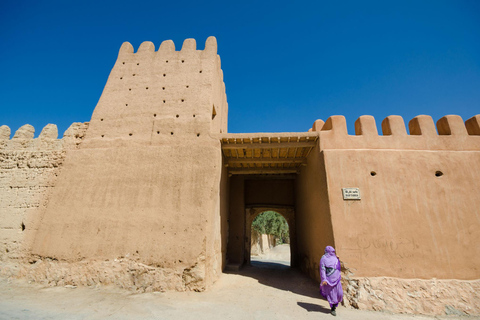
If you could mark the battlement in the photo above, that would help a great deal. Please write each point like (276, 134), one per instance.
(168, 46)
(450, 133)
(48, 138)
(155, 96)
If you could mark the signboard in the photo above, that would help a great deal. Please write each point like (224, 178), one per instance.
(351, 193)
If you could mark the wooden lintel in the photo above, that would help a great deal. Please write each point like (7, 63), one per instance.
(270, 176)
(266, 160)
(272, 145)
(261, 171)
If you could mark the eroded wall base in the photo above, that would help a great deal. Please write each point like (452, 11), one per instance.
(414, 296)
(125, 273)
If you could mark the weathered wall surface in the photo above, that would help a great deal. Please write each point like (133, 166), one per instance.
(415, 296)
(418, 216)
(236, 231)
(145, 184)
(409, 223)
(151, 96)
(121, 203)
(28, 170)
(312, 210)
(224, 215)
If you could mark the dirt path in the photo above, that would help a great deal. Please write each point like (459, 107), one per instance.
(278, 255)
(252, 293)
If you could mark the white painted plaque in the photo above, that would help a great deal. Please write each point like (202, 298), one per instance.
(351, 193)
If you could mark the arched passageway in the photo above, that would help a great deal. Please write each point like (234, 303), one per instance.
(286, 213)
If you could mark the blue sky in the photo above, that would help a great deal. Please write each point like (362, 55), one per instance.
(285, 63)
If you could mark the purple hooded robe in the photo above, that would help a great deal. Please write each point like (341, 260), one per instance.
(330, 272)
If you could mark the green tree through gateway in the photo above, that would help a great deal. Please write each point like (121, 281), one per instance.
(270, 222)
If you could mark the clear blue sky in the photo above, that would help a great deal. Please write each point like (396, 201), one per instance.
(286, 63)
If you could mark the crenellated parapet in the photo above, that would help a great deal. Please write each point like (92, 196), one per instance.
(153, 96)
(23, 139)
(449, 133)
(167, 48)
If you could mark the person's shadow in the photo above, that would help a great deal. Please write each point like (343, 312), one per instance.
(310, 307)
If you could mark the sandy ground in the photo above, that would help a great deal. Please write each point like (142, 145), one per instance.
(256, 292)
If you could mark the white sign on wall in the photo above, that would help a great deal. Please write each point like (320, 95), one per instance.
(351, 193)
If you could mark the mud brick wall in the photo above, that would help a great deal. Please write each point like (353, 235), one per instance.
(28, 170)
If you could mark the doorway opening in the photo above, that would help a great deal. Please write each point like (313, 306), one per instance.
(279, 222)
(270, 241)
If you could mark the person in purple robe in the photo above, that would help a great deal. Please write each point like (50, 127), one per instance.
(330, 284)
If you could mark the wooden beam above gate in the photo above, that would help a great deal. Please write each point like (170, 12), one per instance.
(267, 153)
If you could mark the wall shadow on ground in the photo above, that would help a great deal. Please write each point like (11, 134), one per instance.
(282, 277)
(280, 265)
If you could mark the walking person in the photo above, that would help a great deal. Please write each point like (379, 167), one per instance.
(330, 285)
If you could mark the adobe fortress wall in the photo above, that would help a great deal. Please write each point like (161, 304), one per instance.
(419, 213)
(28, 170)
(138, 203)
(418, 218)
